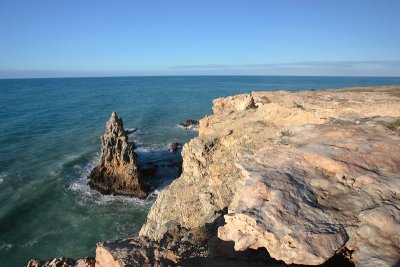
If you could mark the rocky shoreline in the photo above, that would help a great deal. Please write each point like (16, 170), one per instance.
(280, 178)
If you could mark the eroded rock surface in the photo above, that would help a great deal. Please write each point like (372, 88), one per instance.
(141, 251)
(117, 172)
(321, 187)
(276, 178)
(334, 195)
(62, 262)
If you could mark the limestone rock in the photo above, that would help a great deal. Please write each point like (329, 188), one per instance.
(62, 262)
(248, 132)
(233, 104)
(141, 251)
(117, 172)
(320, 188)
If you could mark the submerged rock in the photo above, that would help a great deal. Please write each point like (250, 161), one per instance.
(117, 172)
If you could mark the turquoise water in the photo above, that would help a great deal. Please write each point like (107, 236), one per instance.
(49, 140)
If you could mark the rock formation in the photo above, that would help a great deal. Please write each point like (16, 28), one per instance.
(190, 124)
(304, 175)
(277, 178)
(320, 188)
(117, 172)
(62, 262)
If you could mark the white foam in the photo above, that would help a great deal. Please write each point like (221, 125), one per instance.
(133, 132)
(5, 246)
(189, 128)
(145, 148)
(36, 239)
(88, 196)
(2, 176)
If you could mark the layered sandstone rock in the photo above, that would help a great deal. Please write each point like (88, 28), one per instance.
(301, 174)
(117, 172)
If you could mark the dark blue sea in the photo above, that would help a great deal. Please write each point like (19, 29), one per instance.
(50, 138)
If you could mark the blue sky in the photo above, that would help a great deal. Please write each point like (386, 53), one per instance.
(58, 38)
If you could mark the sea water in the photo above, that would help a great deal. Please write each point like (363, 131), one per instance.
(50, 139)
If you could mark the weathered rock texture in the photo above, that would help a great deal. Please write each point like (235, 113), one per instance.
(302, 175)
(117, 172)
(275, 178)
(141, 251)
(62, 262)
(321, 187)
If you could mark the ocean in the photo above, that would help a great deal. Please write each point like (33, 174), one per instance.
(50, 139)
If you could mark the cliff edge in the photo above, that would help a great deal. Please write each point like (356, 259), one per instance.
(309, 178)
(304, 175)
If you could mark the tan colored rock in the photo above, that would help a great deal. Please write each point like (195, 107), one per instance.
(142, 251)
(214, 173)
(62, 262)
(233, 104)
(304, 198)
(117, 172)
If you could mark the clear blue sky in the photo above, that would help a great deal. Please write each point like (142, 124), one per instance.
(54, 38)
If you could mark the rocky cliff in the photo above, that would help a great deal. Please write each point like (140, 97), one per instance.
(117, 172)
(278, 178)
(304, 175)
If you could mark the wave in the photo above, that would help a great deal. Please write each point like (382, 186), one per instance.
(148, 155)
(2, 176)
(65, 164)
(145, 148)
(194, 128)
(5, 246)
(36, 239)
(88, 196)
(132, 132)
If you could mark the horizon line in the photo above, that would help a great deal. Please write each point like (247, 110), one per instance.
(195, 75)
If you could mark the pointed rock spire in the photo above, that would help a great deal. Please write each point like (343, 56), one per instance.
(117, 172)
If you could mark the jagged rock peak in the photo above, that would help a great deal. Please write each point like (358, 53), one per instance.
(117, 172)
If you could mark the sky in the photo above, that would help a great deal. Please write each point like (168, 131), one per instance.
(81, 38)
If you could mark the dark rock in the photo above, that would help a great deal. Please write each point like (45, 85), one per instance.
(117, 172)
(174, 147)
(189, 123)
(131, 131)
